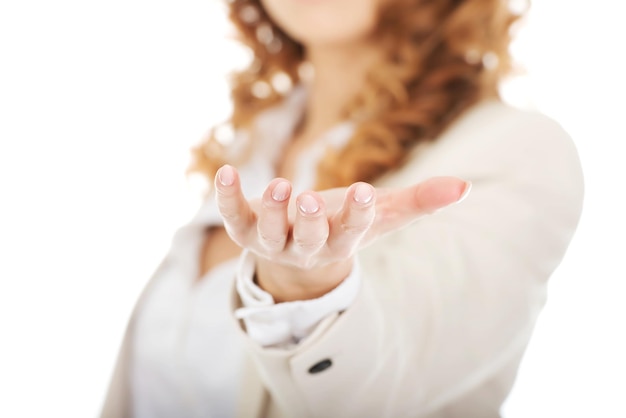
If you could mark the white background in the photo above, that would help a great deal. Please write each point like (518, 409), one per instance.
(99, 104)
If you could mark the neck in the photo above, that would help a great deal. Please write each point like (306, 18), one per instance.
(340, 73)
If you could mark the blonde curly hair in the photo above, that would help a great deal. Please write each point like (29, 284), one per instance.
(441, 57)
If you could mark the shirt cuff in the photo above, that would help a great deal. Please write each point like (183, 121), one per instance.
(285, 324)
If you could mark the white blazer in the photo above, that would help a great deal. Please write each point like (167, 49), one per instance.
(447, 305)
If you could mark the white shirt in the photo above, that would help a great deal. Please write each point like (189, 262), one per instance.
(186, 357)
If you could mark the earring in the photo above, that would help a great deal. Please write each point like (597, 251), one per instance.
(249, 14)
(265, 34)
(489, 60)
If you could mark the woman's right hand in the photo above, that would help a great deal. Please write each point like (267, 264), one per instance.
(304, 247)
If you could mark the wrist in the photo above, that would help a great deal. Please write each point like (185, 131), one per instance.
(287, 283)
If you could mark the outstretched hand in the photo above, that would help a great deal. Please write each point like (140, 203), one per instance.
(305, 247)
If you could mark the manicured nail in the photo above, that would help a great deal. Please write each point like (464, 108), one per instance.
(226, 175)
(308, 204)
(281, 191)
(468, 187)
(363, 193)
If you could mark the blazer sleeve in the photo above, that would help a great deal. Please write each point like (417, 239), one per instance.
(447, 304)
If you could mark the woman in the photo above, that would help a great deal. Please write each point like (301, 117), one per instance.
(340, 305)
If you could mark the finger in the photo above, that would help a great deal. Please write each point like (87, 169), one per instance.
(439, 192)
(273, 226)
(233, 206)
(353, 220)
(434, 194)
(401, 207)
(310, 229)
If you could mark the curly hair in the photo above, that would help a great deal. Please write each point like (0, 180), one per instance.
(441, 57)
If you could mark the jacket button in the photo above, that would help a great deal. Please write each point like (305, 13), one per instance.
(321, 366)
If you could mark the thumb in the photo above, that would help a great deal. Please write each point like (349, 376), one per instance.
(436, 193)
(398, 208)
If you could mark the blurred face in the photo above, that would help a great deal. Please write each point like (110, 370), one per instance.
(324, 22)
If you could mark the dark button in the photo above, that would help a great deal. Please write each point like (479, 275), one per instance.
(321, 366)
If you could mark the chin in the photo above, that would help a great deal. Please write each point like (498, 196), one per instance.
(315, 22)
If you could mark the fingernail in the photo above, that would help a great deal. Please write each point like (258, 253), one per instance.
(226, 175)
(281, 191)
(308, 204)
(363, 193)
(468, 187)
